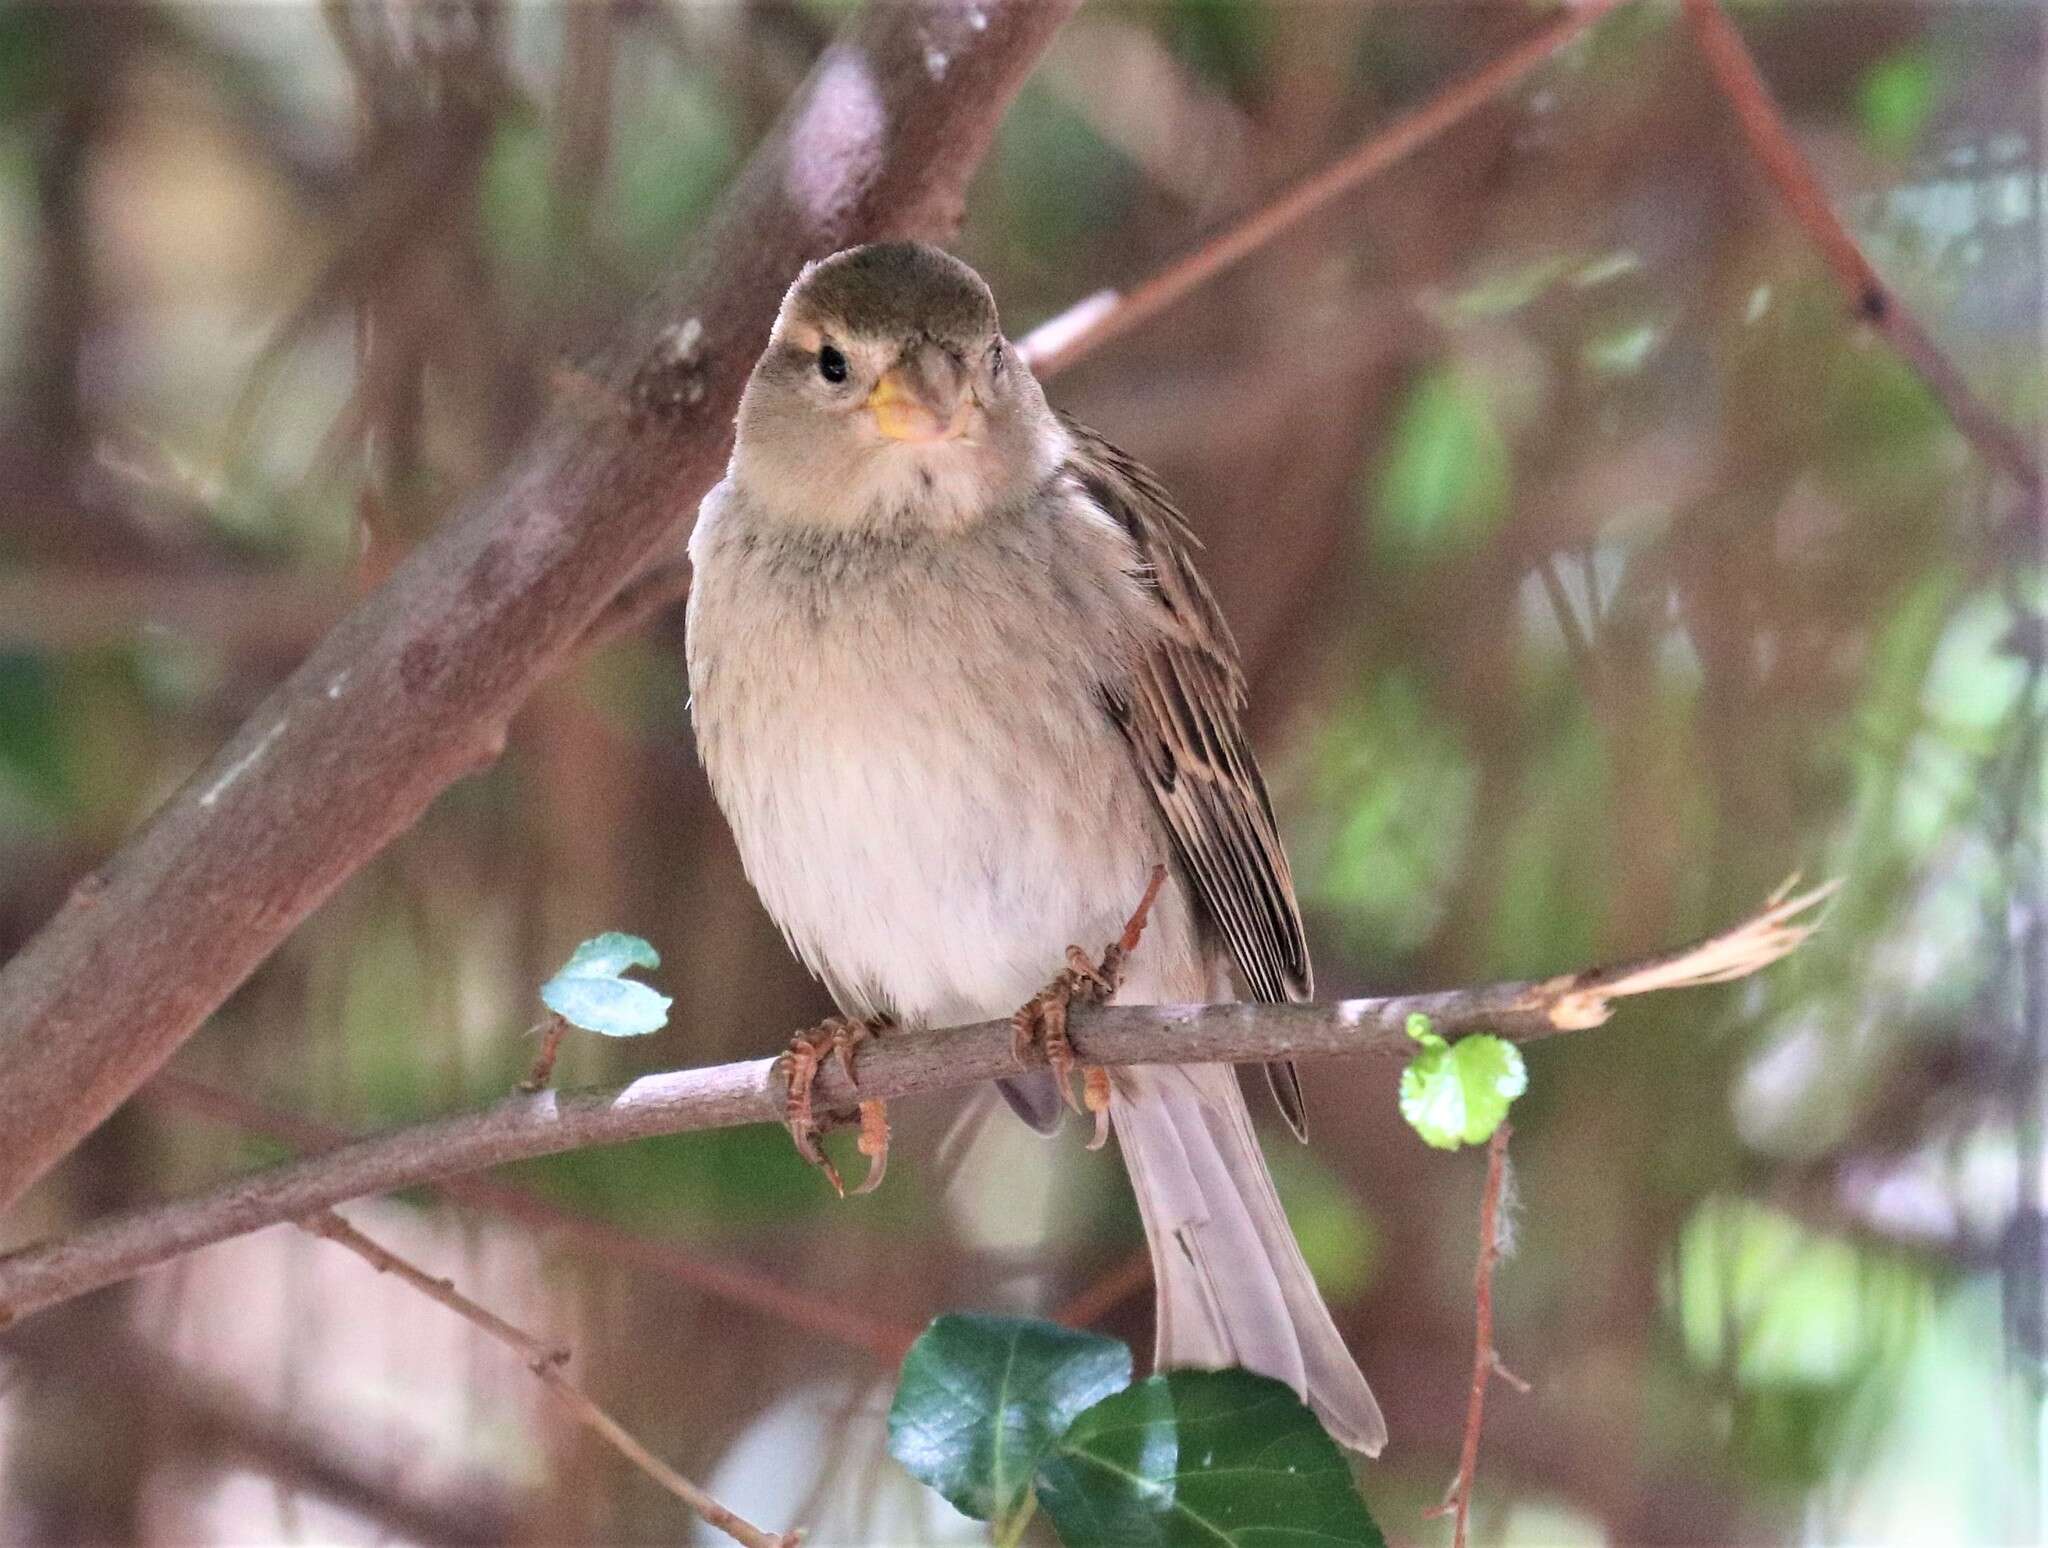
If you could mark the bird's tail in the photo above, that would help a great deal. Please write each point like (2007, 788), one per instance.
(1232, 1286)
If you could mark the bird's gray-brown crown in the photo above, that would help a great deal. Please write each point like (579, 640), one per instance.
(890, 290)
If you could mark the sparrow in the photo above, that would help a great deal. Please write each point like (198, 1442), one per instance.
(960, 691)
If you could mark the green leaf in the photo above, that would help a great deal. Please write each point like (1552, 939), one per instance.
(1895, 99)
(1458, 1094)
(616, 1007)
(981, 1398)
(608, 955)
(1202, 1457)
(1444, 483)
(589, 992)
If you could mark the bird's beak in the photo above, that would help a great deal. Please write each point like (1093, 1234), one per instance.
(922, 398)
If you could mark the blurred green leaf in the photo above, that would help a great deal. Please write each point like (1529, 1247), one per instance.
(1383, 837)
(1760, 1294)
(1443, 485)
(982, 1398)
(1453, 1094)
(1895, 98)
(589, 993)
(1339, 1238)
(1202, 1458)
(32, 757)
(1509, 290)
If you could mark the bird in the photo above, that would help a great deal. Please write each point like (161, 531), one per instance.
(961, 695)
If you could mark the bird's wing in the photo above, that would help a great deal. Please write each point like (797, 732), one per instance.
(1181, 710)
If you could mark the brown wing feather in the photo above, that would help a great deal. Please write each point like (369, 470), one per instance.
(1182, 714)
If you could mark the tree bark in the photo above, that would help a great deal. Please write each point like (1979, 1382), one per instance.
(415, 688)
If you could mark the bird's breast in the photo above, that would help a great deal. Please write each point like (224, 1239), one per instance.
(916, 764)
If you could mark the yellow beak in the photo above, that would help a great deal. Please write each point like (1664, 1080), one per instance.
(902, 414)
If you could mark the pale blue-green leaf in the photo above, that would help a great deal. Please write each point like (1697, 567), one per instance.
(608, 955)
(616, 1007)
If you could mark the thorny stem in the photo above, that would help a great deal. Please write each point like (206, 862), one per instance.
(551, 1032)
(1485, 1358)
(545, 1361)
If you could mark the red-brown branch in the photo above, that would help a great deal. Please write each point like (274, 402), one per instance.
(1877, 303)
(415, 688)
(1485, 1358)
(1088, 325)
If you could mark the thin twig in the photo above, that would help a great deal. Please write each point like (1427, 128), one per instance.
(1485, 1359)
(544, 1057)
(548, 1122)
(823, 1316)
(1068, 338)
(546, 1361)
(1778, 155)
(1089, 324)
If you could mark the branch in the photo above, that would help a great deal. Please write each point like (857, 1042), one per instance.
(902, 1064)
(1085, 327)
(1778, 155)
(1485, 1358)
(856, 1326)
(545, 1361)
(415, 688)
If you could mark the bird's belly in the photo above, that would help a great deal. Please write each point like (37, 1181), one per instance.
(931, 850)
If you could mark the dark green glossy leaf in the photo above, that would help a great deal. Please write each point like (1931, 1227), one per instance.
(1202, 1457)
(981, 1398)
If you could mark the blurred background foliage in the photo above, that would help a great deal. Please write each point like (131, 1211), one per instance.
(1594, 570)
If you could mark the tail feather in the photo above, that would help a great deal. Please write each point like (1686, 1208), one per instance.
(1231, 1283)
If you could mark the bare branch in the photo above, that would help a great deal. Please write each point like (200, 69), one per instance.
(546, 1361)
(904, 1064)
(1778, 155)
(1089, 324)
(414, 689)
(855, 1325)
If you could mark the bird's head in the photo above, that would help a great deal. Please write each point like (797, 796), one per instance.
(888, 395)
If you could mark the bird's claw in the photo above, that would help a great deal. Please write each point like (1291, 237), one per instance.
(837, 1037)
(1041, 1025)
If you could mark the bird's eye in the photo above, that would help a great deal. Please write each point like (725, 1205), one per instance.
(995, 358)
(831, 365)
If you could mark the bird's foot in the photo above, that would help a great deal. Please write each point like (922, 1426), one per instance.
(835, 1037)
(1041, 1024)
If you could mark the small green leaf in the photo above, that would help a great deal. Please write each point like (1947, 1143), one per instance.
(1423, 1030)
(981, 1398)
(1202, 1458)
(608, 955)
(1458, 1094)
(617, 1007)
(590, 993)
